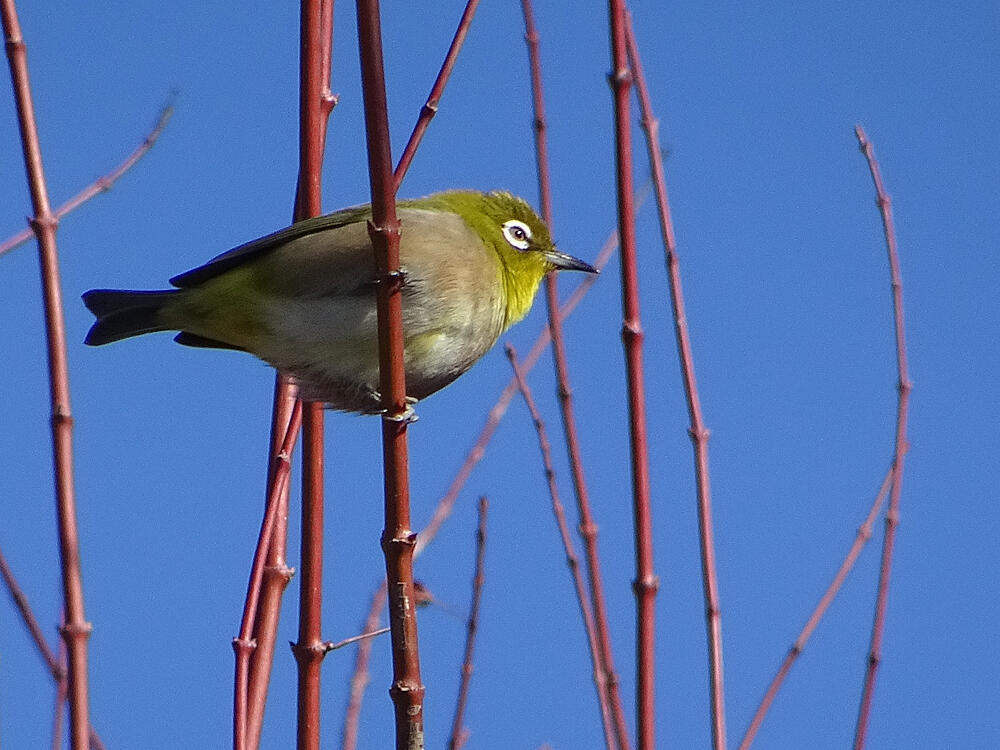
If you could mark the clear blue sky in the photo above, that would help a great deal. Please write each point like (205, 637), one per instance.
(789, 308)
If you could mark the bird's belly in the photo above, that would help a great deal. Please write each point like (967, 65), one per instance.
(331, 347)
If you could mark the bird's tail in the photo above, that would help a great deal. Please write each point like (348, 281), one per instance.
(121, 314)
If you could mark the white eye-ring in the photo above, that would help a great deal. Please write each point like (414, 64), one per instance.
(518, 234)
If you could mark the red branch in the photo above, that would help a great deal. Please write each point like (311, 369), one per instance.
(315, 104)
(244, 644)
(904, 387)
(398, 541)
(430, 107)
(310, 648)
(458, 734)
(604, 672)
(864, 533)
(646, 582)
(572, 561)
(277, 573)
(359, 677)
(56, 669)
(58, 711)
(697, 430)
(76, 629)
(56, 663)
(447, 502)
(102, 184)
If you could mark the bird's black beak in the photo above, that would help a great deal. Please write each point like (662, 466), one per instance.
(565, 262)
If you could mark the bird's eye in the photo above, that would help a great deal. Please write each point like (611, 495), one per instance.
(517, 233)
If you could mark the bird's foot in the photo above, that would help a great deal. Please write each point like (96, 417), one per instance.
(407, 416)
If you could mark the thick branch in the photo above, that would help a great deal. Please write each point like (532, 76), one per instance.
(697, 430)
(645, 583)
(315, 104)
(398, 541)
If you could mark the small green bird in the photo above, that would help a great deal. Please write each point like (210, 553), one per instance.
(303, 299)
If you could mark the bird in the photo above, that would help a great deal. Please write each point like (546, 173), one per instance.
(303, 299)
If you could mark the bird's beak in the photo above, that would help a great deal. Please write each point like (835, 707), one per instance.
(565, 262)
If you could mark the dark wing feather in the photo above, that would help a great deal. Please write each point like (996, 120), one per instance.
(253, 250)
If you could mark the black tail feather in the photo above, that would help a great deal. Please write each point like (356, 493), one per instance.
(122, 314)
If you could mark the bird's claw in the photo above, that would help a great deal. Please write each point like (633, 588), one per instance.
(407, 416)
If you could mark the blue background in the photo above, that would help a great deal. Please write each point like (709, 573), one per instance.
(789, 308)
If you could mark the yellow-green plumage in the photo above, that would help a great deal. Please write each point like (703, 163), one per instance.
(303, 299)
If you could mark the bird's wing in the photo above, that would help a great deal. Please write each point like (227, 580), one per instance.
(258, 248)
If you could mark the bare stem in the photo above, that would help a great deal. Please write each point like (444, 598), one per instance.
(359, 677)
(75, 629)
(430, 107)
(310, 648)
(277, 573)
(398, 540)
(698, 430)
(58, 710)
(646, 583)
(572, 560)
(335, 645)
(604, 670)
(458, 734)
(53, 662)
(861, 538)
(904, 386)
(315, 104)
(244, 644)
(101, 184)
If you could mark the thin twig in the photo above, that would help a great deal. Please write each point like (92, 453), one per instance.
(52, 661)
(277, 573)
(334, 645)
(58, 710)
(56, 664)
(430, 107)
(458, 733)
(244, 644)
(76, 629)
(861, 538)
(646, 583)
(398, 540)
(604, 672)
(101, 184)
(572, 561)
(698, 431)
(359, 675)
(904, 386)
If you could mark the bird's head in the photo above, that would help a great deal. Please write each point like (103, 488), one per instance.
(511, 228)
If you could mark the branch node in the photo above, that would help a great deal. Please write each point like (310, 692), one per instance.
(76, 629)
(631, 329)
(646, 584)
(622, 77)
(699, 434)
(244, 644)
